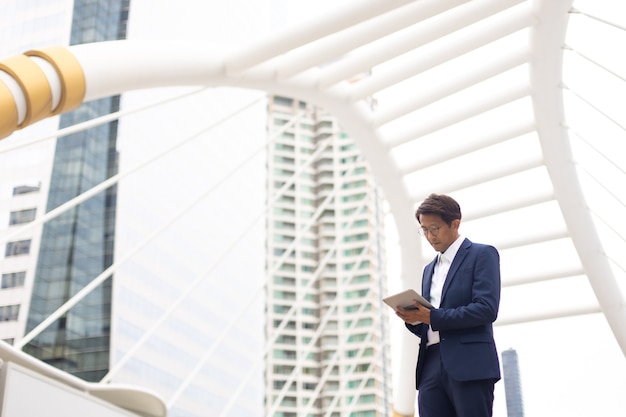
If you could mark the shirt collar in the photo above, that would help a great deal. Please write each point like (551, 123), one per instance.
(450, 253)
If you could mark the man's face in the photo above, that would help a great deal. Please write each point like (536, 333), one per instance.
(439, 234)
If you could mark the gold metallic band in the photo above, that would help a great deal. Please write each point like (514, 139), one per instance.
(36, 87)
(73, 84)
(8, 111)
(33, 83)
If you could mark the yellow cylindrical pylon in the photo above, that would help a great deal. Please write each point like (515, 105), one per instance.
(36, 87)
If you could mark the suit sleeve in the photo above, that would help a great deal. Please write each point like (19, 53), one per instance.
(417, 329)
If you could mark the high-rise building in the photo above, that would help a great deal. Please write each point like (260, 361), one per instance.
(48, 265)
(78, 245)
(325, 271)
(512, 384)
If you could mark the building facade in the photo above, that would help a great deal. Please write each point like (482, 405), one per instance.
(325, 325)
(78, 245)
(512, 384)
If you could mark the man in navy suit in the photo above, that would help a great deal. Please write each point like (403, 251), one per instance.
(457, 365)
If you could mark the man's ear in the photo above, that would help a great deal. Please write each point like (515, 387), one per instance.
(455, 224)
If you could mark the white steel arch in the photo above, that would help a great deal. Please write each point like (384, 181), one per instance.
(375, 48)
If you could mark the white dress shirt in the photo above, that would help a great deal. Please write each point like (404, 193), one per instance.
(444, 260)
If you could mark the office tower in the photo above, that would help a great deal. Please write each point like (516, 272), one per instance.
(325, 271)
(48, 265)
(512, 384)
(78, 245)
(25, 171)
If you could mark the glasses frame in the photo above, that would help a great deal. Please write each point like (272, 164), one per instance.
(432, 229)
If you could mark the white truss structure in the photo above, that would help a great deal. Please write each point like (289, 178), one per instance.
(444, 74)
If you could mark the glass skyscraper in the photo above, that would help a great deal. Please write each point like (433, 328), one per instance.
(78, 245)
(325, 271)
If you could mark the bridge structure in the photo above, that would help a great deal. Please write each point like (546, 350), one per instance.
(469, 99)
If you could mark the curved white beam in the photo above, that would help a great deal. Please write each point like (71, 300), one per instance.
(546, 81)
(136, 399)
(158, 64)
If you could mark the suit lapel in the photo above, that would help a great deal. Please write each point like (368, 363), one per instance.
(456, 263)
(428, 278)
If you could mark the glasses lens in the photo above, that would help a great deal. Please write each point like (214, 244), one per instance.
(433, 230)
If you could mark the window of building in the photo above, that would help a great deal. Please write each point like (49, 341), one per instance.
(291, 325)
(283, 369)
(366, 399)
(284, 295)
(287, 199)
(355, 197)
(365, 322)
(26, 189)
(283, 101)
(284, 280)
(359, 279)
(286, 339)
(354, 184)
(284, 147)
(284, 160)
(279, 251)
(309, 371)
(284, 172)
(356, 238)
(283, 211)
(353, 252)
(281, 309)
(22, 216)
(13, 279)
(19, 247)
(287, 267)
(9, 313)
(284, 354)
(356, 294)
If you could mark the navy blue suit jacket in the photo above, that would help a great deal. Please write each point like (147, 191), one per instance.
(469, 305)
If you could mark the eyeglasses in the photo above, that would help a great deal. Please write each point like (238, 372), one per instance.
(433, 230)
